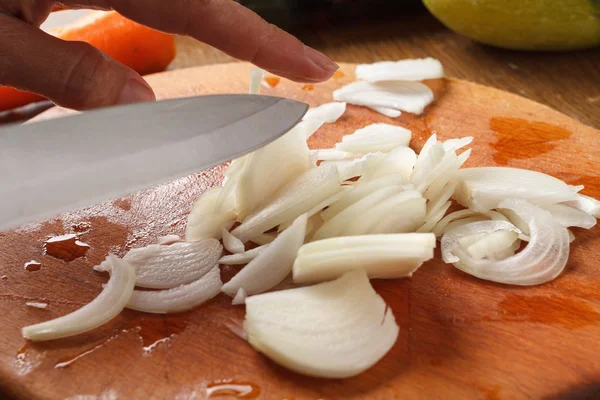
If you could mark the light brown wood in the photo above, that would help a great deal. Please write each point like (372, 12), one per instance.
(460, 337)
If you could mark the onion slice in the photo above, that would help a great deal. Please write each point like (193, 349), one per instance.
(243, 258)
(482, 189)
(403, 70)
(569, 216)
(231, 243)
(256, 76)
(272, 265)
(375, 137)
(165, 267)
(327, 113)
(178, 299)
(240, 297)
(542, 260)
(411, 97)
(299, 196)
(102, 309)
(586, 203)
(203, 221)
(381, 256)
(388, 112)
(333, 330)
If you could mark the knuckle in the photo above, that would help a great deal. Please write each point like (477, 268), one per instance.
(89, 66)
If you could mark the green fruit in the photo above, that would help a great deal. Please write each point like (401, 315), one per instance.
(523, 24)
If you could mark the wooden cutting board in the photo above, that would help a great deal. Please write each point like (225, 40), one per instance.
(460, 337)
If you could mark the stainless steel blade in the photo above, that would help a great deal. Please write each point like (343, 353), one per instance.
(54, 166)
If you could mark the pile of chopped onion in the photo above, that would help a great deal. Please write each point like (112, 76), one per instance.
(370, 207)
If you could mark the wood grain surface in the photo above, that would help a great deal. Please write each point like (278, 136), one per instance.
(460, 337)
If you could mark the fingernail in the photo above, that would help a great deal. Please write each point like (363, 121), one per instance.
(320, 59)
(136, 92)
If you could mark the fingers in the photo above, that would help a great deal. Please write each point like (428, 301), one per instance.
(72, 74)
(229, 27)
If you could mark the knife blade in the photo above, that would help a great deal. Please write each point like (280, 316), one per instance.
(54, 166)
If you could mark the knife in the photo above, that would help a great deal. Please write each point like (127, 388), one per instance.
(54, 166)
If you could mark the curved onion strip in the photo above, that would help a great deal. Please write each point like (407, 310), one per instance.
(361, 190)
(482, 189)
(433, 219)
(509, 252)
(263, 239)
(570, 216)
(404, 70)
(203, 222)
(381, 256)
(335, 225)
(458, 143)
(272, 265)
(231, 243)
(165, 267)
(334, 330)
(586, 203)
(542, 260)
(438, 185)
(227, 202)
(350, 168)
(243, 258)
(328, 112)
(477, 217)
(492, 243)
(440, 227)
(364, 222)
(469, 233)
(411, 97)
(375, 137)
(406, 219)
(435, 204)
(388, 112)
(240, 297)
(289, 153)
(431, 154)
(299, 196)
(334, 155)
(178, 299)
(102, 309)
(168, 239)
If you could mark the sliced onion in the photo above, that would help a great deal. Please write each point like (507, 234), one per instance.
(351, 168)
(437, 203)
(333, 330)
(432, 220)
(239, 298)
(231, 243)
(369, 221)
(411, 97)
(334, 155)
(358, 192)
(336, 225)
(375, 137)
(243, 258)
(203, 222)
(256, 76)
(406, 218)
(388, 112)
(178, 299)
(381, 256)
(403, 70)
(477, 217)
(482, 189)
(328, 113)
(587, 204)
(459, 143)
(542, 260)
(272, 265)
(492, 243)
(168, 239)
(440, 227)
(325, 203)
(468, 234)
(570, 216)
(102, 309)
(296, 198)
(571, 236)
(291, 156)
(165, 267)
(400, 160)
(264, 238)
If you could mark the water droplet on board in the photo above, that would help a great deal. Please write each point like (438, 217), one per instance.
(154, 331)
(66, 247)
(229, 387)
(68, 361)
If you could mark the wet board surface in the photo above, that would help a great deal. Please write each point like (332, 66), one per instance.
(460, 337)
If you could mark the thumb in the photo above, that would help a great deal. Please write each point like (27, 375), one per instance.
(72, 74)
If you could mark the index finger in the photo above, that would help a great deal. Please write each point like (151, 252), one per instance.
(230, 27)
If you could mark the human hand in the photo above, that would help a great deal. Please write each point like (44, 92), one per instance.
(77, 75)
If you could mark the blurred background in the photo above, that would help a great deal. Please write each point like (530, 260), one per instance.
(546, 50)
